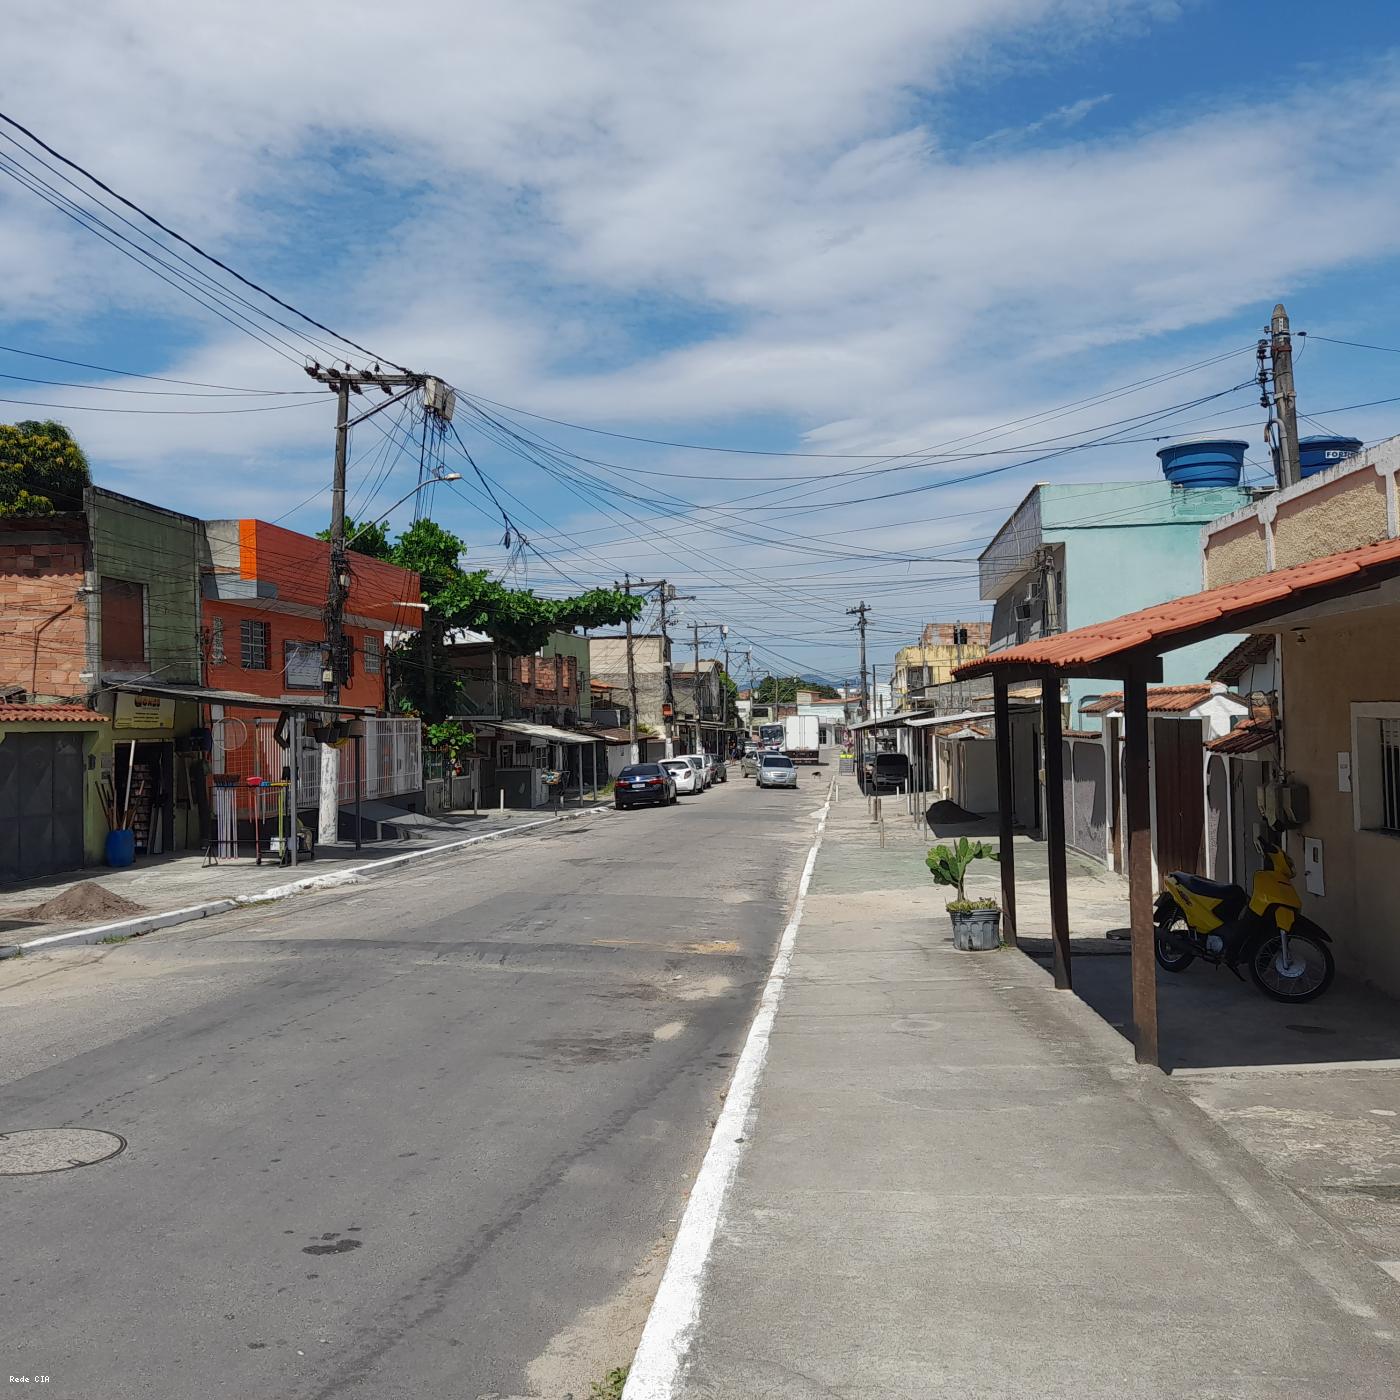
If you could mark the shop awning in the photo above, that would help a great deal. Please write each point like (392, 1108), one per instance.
(540, 731)
(895, 721)
(932, 721)
(238, 699)
(1251, 603)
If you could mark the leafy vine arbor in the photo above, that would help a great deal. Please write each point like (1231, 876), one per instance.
(517, 620)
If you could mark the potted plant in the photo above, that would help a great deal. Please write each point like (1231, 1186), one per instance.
(976, 922)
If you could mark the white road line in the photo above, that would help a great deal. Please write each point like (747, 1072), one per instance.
(673, 1316)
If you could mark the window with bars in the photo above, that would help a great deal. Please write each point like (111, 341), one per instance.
(253, 644)
(1390, 774)
(373, 654)
(1376, 767)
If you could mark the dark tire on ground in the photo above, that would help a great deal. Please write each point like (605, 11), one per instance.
(1311, 985)
(1168, 958)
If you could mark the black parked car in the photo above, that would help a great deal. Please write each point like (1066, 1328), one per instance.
(643, 783)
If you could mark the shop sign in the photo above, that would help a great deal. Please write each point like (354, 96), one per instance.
(143, 712)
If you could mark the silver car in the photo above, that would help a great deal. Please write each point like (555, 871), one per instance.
(777, 770)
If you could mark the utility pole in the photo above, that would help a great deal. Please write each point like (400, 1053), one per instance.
(860, 611)
(1285, 398)
(335, 669)
(635, 751)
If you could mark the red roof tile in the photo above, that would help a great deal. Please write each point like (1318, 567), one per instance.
(1248, 736)
(1161, 699)
(1157, 626)
(50, 714)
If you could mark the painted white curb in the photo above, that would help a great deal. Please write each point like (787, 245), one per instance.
(671, 1322)
(149, 923)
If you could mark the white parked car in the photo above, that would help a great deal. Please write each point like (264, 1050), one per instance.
(706, 765)
(777, 770)
(689, 778)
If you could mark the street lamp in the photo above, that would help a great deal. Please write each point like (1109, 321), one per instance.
(431, 481)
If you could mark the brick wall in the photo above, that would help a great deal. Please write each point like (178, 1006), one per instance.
(43, 617)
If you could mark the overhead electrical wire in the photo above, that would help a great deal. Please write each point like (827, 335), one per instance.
(194, 247)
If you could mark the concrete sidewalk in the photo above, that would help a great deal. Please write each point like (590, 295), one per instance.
(956, 1183)
(166, 885)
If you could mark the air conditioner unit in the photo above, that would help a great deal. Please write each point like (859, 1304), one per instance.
(1023, 612)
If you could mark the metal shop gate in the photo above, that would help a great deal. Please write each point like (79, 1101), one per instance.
(41, 805)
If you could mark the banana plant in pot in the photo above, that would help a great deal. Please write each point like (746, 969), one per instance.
(976, 922)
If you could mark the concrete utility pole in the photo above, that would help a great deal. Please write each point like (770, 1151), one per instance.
(635, 751)
(1285, 399)
(860, 611)
(695, 639)
(668, 594)
(335, 668)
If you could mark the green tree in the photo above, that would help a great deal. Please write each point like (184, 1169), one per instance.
(782, 690)
(42, 469)
(517, 620)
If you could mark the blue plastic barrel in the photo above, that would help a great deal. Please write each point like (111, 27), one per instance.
(1317, 453)
(121, 848)
(1218, 462)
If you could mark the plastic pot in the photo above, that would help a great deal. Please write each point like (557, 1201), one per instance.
(976, 930)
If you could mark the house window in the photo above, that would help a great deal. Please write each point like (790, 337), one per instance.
(1390, 774)
(253, 644)
(373, 654)
(301, 665)
(1375, 767)
(124, 625)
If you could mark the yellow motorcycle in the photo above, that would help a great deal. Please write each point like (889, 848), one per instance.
(1286, 953)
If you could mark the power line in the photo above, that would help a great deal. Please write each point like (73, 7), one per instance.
(158, 378)
(194, 247)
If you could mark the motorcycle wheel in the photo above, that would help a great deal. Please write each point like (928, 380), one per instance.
(1308, 974)
(1168, 958)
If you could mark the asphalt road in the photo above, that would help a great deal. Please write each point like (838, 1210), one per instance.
(426, 1137)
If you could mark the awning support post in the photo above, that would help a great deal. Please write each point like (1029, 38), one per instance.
(1139, 828)
(1052, 745)
(1001, 706)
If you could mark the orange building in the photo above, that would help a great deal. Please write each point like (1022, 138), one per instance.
(262, 633)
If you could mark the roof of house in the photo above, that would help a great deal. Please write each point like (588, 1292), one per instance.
(49, 714)
(1248, 736)
(1254, 649)
(1165, 626)
(1161, 699)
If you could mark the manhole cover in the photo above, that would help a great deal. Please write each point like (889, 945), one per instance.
(27, 1151)
(1310, 1030)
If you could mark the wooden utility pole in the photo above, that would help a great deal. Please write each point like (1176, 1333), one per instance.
(860, 611)
(1285, 398)
(335, 668)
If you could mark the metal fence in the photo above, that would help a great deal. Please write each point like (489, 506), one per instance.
(1087, 798)
(393, 757)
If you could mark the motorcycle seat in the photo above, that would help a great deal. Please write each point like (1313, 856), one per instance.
(1211, 889)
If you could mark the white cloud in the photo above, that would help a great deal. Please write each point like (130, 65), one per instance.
(533, 178)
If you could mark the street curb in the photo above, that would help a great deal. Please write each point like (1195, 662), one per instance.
(149, 923)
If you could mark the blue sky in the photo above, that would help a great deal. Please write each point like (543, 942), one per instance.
(820, 227)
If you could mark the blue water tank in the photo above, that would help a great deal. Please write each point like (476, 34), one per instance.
(1218, 462)
(1317, 453)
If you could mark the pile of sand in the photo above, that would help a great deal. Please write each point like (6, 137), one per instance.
(87, 899)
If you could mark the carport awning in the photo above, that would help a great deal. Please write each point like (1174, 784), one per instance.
(928, 721)
(543, 731)
(1107, 647)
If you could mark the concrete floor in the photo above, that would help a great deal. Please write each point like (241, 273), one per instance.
(423, 1138)
(956, 1184)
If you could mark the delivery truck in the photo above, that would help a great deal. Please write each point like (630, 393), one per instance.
(801, 738)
